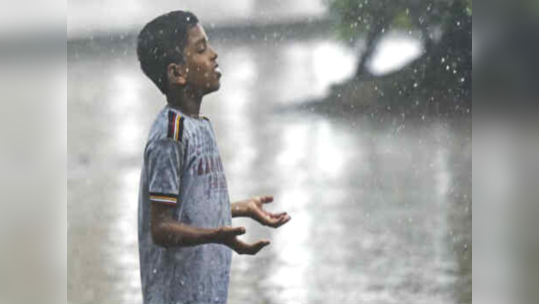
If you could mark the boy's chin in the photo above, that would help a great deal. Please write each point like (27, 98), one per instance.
(213, 88)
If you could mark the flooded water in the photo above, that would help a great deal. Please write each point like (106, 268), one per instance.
(381, 206)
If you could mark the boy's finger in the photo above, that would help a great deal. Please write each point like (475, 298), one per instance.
(286, 219)
(244, 248)
(278, 215)
(238, 231)
(256, 247)
(262, 243)
(266, 199)
(282, 221)
(272, 221)
(275, 223)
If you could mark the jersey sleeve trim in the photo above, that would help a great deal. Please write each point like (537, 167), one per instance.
(164, 198)
(175, 126)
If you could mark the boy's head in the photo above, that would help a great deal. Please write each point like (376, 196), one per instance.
(174, 52)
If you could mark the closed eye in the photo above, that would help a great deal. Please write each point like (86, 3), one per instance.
(201, 46)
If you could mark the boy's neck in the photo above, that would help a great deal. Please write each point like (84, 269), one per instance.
(187, 103)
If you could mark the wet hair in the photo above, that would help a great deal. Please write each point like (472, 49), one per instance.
(161, 42)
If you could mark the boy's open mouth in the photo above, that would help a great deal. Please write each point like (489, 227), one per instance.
(217, 70)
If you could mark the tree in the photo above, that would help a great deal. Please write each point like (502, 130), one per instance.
(446, 31)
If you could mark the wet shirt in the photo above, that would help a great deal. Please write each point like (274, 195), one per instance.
(183, 168)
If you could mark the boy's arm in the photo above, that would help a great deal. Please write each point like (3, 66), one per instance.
(254, 208)
(168, 233)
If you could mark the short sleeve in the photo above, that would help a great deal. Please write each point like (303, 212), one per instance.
(163, 164)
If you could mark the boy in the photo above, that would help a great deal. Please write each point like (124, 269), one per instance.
(185, 238)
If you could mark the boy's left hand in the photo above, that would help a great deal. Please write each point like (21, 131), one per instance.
(254, 208)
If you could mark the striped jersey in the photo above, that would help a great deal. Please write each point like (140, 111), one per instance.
(182, 168)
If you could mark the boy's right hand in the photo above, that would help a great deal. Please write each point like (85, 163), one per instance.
(228, 236)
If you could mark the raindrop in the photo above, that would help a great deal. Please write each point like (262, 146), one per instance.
(415, 85)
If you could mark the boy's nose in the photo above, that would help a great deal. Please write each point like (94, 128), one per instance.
(214, 54)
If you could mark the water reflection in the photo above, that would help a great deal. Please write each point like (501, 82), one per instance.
(322, 63)
(395, 50)
(372, 200)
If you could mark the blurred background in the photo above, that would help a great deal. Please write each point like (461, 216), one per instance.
(355, 115)
(32, 152)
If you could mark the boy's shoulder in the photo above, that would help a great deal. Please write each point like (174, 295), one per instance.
(168, 124)
(174, 125)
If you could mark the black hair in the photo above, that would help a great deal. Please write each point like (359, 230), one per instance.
(161, 42)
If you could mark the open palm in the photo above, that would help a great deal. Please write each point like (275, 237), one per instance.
(264, 217)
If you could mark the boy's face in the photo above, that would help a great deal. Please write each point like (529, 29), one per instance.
(202, 72)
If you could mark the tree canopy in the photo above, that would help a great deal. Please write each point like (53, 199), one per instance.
(445, 28)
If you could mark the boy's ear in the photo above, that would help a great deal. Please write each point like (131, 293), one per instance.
(177, 74)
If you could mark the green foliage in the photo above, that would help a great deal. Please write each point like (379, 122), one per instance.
(402, 21)
(442, 73)
(469, 7)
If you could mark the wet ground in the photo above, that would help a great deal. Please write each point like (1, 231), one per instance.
(381, 206)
